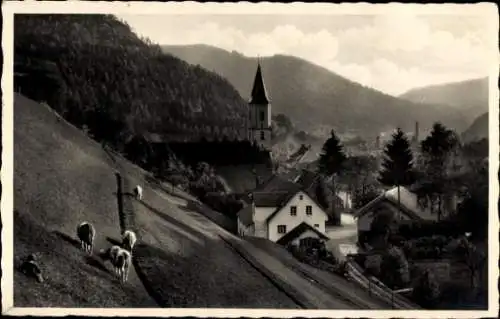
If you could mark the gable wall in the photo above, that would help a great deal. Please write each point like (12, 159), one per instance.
(260, 220)
(283, 217)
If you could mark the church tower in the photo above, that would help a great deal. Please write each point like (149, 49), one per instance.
(259, 117)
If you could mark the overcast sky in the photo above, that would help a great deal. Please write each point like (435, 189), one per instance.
(391, 53)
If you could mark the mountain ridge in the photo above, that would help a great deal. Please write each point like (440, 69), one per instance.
(311, 95)
(468, 96)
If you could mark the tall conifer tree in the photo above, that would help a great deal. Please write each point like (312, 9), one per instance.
(397, 166)
(330, 164)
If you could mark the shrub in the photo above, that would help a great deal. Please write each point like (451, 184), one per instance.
(430, 228)
(228, 205)
(373, 265)
(431, 247)
(396, 272)
(426, 290)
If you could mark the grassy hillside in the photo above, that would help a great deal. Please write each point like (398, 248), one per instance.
(312, 95)
(95, 72)
(478, 129)
(61, 177)
(468, 97)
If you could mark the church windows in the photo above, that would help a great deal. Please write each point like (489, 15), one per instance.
(261, 116)
(262, 136)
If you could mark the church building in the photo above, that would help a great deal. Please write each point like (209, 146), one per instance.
(259, 117)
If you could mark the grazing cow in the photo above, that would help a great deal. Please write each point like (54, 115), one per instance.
(86, 234)
(138, 192)
(120, 259)
(128, 240)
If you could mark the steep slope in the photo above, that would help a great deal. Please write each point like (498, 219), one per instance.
(311, 95)
(469, 97)
(478, 129)
(96, 73)
(61, 178)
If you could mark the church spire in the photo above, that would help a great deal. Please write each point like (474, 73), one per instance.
(259, 93)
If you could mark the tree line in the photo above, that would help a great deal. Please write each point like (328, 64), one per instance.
(443, 167)
(99, 75)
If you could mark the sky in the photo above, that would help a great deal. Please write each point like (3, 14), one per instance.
(389, 52)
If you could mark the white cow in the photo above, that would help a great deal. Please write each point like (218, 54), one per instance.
(138, 192)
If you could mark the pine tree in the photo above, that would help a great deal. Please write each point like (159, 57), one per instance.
(330, 164)
(397, 166)
(437, 150)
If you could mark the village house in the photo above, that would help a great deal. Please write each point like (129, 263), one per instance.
(387, 202)
(285, 212)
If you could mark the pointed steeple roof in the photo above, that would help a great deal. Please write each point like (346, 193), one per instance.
(259, 93)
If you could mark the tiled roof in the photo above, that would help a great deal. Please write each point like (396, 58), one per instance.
(297, 231)
(408, 200)
(259, 93)
(269, 199)
(277, 184)
(307, 178)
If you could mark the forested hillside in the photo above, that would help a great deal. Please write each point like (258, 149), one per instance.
(478, 130)
(311, 95)
(99, 75)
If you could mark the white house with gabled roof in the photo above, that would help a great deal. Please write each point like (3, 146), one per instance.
(284, 211)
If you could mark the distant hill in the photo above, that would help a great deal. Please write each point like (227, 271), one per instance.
(311, 95)
(478, 129)
(468, 97)
(99, 75)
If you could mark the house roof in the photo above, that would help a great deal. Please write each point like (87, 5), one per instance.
(307, 178)
(259, 93)
(270, 199)
(408, 200)
(310, 181)
(245, 215)
(277, 191)
(297, 231)
(278, 184)
(274, 191)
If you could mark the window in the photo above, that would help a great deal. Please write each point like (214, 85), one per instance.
(316, 225)
(262, 116)
(281, 229)
(262, 136)
(309, 210)
(301, 197)
(293, 211)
